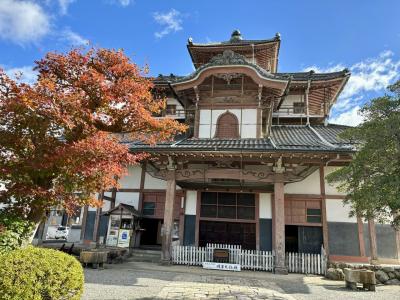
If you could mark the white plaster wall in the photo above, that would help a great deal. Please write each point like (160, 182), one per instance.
(132, 179)
(310, 185)
(151, 182)
(330, 189)
(247, 122)
(204, 123)
(337, 212)
(265, 206)
(127, 198)
(191, 200)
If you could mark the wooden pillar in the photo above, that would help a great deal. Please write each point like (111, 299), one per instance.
(307, 102)
(197, 114)
(182, 217)
(279, 228)
(325, 232)
(168, 216)
(141, 187)
(257, 221)
(372, 241)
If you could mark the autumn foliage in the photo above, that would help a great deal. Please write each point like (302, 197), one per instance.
(59, 137)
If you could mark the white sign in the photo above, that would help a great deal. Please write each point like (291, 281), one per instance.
(221, 266)
(123, 238)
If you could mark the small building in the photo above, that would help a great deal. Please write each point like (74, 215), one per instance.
(251, 169)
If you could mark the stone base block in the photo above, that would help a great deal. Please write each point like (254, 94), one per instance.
(281, 270)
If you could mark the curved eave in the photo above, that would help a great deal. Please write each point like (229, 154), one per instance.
(198, 76)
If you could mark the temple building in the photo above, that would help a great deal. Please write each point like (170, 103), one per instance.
(251, 168)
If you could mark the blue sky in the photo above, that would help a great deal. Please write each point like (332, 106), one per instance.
(362, 35)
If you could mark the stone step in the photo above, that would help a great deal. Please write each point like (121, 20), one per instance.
(144, 259)
(145, 251)
(145, 255)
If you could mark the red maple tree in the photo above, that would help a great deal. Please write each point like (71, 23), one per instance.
(58, 137)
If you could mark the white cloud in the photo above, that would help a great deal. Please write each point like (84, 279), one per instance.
(24, 74)
(64, 4)
(72, 38)
(369, 75)
(23, 22)
(124, 2)
(350, 117)
(172, 22)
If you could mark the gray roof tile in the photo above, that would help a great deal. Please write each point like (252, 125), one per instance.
(284, 138)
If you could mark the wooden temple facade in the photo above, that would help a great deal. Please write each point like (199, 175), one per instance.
(251, 169)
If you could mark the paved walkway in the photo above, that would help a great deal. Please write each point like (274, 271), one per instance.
(137, 280)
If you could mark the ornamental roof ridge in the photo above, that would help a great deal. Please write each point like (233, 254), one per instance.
(235, 42)
(229, 57)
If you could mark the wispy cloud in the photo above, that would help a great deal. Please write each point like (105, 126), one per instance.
(64, 5)
(72, 38)
(24, 74)
(123, 3)
(23, 22)
(368, 76)
(171, 22)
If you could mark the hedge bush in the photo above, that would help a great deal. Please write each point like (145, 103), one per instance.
(37, 273)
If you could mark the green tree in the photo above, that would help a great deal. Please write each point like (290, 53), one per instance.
(372, 180)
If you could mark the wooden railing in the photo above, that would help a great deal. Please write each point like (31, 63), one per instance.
(251, 259)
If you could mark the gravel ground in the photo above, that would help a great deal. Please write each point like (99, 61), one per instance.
(138, 280)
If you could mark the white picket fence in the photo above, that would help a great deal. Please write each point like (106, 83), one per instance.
(248, 259)
(251, 259)
(306, 263)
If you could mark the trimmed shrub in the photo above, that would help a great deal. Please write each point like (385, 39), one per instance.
(37, 273)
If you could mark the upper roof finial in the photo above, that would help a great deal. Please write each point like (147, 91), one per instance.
(236, 35)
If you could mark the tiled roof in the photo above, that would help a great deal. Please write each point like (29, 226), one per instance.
(304, 76)
(283, 138)
(294, 137)
(330, 134)
(299, 76)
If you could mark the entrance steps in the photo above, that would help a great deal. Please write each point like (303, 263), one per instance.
(145, 255)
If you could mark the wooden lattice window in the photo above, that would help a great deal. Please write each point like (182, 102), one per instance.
(227, 126)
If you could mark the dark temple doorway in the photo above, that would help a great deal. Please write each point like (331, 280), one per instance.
(151, 231)
(303, 239)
